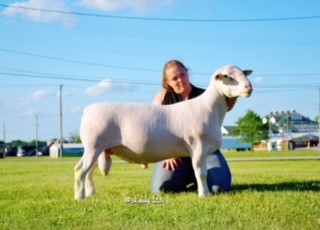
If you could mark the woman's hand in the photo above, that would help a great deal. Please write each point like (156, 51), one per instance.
(172, 164)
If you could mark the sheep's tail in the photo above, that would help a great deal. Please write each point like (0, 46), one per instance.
(104, 162)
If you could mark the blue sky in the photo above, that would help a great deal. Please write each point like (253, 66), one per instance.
(112, 50)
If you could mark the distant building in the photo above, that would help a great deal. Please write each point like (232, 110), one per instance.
(288, 130)
(291, 122)
(233, 143)
(293, 128)
(308, 140)
(68, 150)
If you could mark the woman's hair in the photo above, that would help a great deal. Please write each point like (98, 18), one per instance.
(168, 65)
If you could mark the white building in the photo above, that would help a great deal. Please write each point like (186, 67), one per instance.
(68, 150)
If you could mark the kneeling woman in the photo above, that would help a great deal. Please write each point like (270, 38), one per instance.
(177, 175)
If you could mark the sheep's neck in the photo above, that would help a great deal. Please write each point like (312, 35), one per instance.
(230, 102)
(215, 101)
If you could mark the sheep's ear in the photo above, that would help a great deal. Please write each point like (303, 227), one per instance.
(247, 72)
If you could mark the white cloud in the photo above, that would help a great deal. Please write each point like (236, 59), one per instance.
(258, 80)
(141, 6)
(104, 87)
(28, 113)
(66, 94)
(99, 89)
(76, 109)
(41, 94)
(41, 16)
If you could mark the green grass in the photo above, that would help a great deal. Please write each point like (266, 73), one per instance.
(273, 154)
(37, 193)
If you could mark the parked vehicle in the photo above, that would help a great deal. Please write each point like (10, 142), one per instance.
(28, 151)
(3, 149)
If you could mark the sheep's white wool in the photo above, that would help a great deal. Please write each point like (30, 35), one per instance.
(144, 133)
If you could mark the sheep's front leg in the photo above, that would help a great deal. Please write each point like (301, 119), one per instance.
(199, 164)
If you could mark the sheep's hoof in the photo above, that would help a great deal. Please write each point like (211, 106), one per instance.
(79, 197)
(79, 194)
(204, 194)
(91, 193)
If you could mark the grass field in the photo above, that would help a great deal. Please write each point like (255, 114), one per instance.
(37, 193)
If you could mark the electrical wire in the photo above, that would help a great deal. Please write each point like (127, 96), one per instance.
(166, 19)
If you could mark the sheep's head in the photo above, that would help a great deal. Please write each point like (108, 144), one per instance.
(233, 81)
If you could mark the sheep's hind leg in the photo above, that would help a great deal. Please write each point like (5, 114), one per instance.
(79, 177)
(89, 183)
(105, 162)
(84, 185)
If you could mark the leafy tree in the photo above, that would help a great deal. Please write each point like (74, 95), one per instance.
(74, 137)
(40, 143)
(251, 129)
(17, 143)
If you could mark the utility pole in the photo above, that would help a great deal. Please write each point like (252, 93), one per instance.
(4, 140)
(4, 132)
(36, 135)
(319, 121)
(61, 132)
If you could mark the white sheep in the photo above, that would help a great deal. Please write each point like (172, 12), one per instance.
(143, 133)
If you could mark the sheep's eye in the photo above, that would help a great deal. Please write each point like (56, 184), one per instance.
(231, 79)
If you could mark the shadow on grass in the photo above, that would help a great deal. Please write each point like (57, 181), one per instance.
(286, 186)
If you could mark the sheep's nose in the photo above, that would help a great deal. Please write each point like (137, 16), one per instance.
(249, 87)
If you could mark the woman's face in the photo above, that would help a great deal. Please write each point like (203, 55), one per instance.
(178, 79)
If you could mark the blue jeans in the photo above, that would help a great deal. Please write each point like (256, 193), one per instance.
(219, 177)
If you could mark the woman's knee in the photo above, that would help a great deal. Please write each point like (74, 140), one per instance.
(219, 175)
(180, 180)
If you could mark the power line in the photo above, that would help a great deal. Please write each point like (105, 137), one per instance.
(166, 19)
(77, 61)
(119, 67)
(289, 74)
(74, 79)
(264, 88)
(58, 76)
